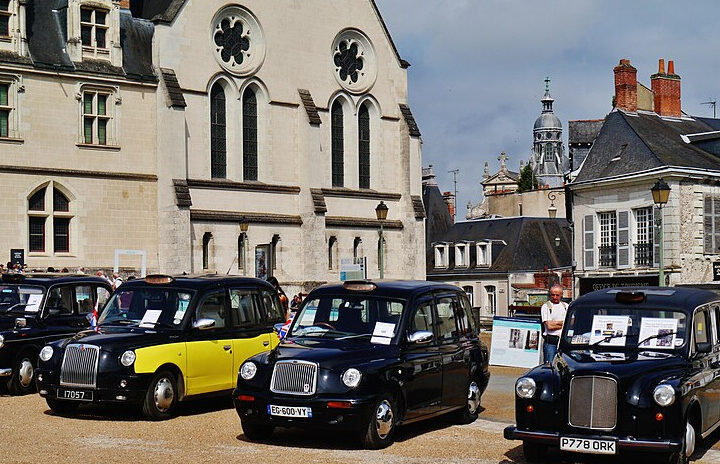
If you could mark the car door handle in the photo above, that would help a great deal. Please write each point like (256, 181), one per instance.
(266, 343)
(227, 347)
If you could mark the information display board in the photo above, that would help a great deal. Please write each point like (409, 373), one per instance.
(515, 342)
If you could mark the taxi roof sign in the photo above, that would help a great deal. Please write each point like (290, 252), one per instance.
(159, 279)
(359, 285)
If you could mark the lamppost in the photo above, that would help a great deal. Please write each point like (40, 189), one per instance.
(660, 193)
(552, 209)
(381, 211)
(243, 228)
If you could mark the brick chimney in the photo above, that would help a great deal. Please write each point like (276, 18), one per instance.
(626, 86)
(666, 87)
(125, 4)
(449, 199)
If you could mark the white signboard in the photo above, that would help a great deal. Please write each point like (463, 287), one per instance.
(515, 342)
(353, 269)
(609, 330)
(663, 331)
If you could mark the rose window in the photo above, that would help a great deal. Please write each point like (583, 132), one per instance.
(237, 40)
(232, 41)
(354, 61)
(348, 61)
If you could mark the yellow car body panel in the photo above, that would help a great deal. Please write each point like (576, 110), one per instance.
(245, 348)
(149, 359)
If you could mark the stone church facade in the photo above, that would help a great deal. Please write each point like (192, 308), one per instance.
(198, 119)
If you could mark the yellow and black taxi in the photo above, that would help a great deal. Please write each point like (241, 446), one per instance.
(637, 369)
(36, 309)
(161, 340)
(366, 357)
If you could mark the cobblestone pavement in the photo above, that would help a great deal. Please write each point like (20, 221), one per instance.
(209, 430)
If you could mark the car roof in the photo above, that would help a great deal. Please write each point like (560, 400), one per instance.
(404, 289)
(684, 299)
(202, 282)
(49, 279)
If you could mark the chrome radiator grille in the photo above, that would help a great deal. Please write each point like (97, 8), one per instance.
(79, 366)
(294, 378)
(593, 402)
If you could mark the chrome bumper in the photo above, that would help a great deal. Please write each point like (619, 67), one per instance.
(5, 372)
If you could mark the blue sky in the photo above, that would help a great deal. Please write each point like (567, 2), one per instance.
(478, 68)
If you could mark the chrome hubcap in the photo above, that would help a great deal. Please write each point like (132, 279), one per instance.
(384, 419)
(26, 373)
(164, 394)
(473, 398)
(689, 440)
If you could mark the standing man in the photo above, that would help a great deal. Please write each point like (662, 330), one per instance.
(552, 315)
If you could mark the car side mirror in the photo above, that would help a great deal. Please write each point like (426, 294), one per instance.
(420, 337)
(20, 322)
(705, 347)
(204, 324)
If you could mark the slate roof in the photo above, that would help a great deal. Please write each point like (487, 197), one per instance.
(584, 131)
(438, 220)
(632, 143)
(175, 96)
(410, 120)
(48, 36)
(162, 11)
(529, 245)
(310, 108)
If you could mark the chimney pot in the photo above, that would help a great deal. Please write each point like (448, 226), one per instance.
(625, 86)
(671, 67)
(666, 90)
(661, 66)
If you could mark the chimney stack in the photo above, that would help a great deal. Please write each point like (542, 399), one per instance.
(666, 90)
(125, 4)
(626, 86)
(449, 199)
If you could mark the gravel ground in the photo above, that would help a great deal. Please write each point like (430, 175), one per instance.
(209, 430)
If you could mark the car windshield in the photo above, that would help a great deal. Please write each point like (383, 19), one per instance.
(348, 317)
(148, 307)
(625, 328)
(20, 299)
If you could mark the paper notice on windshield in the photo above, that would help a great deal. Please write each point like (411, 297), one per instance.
(150, 318)
(33, 303)
(609, 330)
(383, 333)
(662, 329)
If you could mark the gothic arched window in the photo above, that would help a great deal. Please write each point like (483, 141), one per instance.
(364, 147)
(250, 136)
(41, 216)
(218, 137)
(338, 145)
(207, 238)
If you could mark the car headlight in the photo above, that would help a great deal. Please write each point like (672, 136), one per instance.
(2, 341)
(351, 377)
(128, 358)
(664, 395)
(248, 370)
(46, 353)
(525, 387)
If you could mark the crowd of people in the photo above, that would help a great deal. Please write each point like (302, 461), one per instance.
(16, 268)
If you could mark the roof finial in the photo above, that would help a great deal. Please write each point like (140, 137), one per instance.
(547, 83)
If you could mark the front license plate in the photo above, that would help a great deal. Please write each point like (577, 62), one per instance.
(289, 411)
(587, 445)
(76, 395)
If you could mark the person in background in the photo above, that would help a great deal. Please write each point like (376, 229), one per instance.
(116, 281)
(283, 297)
(2, 268)
(552, 315)
(102, 275)
(295, 303)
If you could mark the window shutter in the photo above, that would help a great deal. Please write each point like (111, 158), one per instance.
(715, 225)
(623, 245)
(656, 236)
(707, 225)
(589, 241)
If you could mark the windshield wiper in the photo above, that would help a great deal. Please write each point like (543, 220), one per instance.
(655, 336)
(119, 322)
(16, 305)
(353, 336)
(608, 338)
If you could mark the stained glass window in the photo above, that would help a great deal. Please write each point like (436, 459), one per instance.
(348, 61)
(250, 136)
(338, 145)
(232, 39)
(37, 201)
(217, 132)
(60, 201)
(364, 147)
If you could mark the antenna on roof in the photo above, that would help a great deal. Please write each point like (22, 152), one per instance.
(710, 102)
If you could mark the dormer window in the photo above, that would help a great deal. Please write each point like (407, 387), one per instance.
(462, 255)
(93, 28)
(484, 254)
(441, 255)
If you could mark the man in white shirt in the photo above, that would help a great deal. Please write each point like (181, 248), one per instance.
(552, 315)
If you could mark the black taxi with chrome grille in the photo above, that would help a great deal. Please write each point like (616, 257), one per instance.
(637, 369)
(366, 357)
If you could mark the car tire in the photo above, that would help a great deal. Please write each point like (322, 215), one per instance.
(688, 446)
(62, 408)
(161, 397)
(22, 380)
(469, 413)
(379, 431)
(534, 452)
(256, 432)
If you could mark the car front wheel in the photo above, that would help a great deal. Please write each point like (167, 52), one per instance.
(161, 397)
(469, 413)
(380, 429)
(688, 446)
(23, 376)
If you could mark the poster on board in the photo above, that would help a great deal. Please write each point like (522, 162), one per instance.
(261, 261)
(515, 342)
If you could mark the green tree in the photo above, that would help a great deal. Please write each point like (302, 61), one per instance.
(527, 181)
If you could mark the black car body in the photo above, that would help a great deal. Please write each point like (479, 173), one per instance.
(36, 309)
(637, 369)
(161, 340)
(366, 357)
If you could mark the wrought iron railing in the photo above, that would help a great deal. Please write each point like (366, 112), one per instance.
(644, 254)
(608, 255)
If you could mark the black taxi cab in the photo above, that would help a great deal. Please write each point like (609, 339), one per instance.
(161, 340)
(366, 357)
(637, 369)
(36, 309)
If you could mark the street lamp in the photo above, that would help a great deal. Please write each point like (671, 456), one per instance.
(381, 211)
(243, 228)
(660, 193)
(552, 209)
